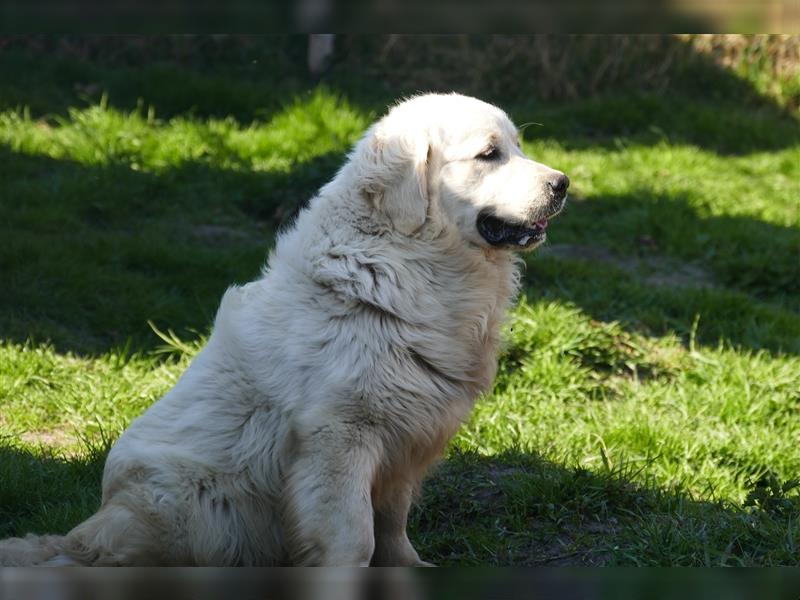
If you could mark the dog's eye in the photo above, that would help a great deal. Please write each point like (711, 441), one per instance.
(491, 153)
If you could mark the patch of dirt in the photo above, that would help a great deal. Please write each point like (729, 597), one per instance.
(58, 439)
(688, 275)
(652, 270)
(574, 546)
(563, 557)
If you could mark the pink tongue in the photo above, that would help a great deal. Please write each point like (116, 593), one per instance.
(542, 223)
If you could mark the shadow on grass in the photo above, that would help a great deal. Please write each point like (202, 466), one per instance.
(587, 91)
(512, 509)
(44, 492)
(177, 75)
(90, 254)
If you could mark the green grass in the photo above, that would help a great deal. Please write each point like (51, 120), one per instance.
(646, 408)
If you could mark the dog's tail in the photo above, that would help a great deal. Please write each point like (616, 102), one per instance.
(114, 535)
(33, 550)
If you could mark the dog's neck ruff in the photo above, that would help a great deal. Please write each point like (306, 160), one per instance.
(440, 299)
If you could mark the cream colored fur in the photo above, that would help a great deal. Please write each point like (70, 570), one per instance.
(301, 431)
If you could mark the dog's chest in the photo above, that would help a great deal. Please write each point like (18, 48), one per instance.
(465, 334)
(471, 341)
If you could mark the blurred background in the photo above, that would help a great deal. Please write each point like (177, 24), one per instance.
(412, 16)
(646, 407)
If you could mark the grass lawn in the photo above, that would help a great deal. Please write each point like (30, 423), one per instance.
(647, 407)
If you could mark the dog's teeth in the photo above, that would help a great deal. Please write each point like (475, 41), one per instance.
(524, 240)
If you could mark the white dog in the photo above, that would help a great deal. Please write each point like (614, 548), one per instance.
(328, 386)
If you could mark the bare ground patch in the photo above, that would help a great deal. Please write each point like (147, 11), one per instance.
(651, 270)
(52, 438)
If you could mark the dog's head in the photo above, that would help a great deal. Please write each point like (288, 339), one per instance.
(453, 160)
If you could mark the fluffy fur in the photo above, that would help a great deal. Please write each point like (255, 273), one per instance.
(301, 431)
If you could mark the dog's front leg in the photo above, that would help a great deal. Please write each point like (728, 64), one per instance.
(329, 504)
(392, 546)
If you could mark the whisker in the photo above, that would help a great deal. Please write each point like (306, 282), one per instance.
(521, 129)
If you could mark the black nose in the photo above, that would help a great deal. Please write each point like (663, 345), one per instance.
(558, 185)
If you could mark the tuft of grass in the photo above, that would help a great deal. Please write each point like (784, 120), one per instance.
(645, 408)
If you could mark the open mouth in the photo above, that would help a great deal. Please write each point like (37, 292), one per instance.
(499, 232)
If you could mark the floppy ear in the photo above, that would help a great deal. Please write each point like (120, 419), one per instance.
(394, 174)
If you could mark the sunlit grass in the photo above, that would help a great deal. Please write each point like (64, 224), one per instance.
(101, 135)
